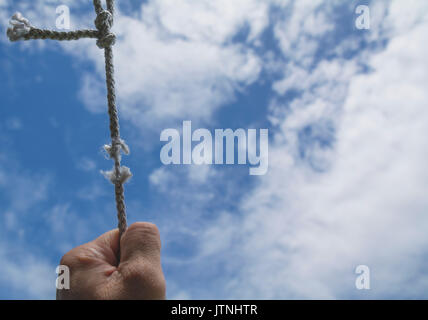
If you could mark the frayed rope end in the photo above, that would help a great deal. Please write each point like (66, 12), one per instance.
(124, 175)
(20, 27)
(115, 152)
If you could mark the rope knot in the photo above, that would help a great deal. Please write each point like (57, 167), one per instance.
(20, 27)
(113, 150)
(120, 176)
(103, 23)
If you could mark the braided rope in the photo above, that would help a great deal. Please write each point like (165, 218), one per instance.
(119, 175)
(110, 6)
(35, 33)
(98, 7)
(23, 30)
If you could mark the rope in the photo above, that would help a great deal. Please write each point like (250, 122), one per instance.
(98, 7)
(61, 36)
(110, 6)
(23, 30)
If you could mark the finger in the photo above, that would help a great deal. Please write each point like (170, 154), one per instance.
(103, 249)
(140, 241)
(108, 244)
(140, 263)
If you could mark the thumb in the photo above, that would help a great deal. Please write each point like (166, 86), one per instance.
(140, 242)
(140, 263)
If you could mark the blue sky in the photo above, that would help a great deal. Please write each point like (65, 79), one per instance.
(346, 112)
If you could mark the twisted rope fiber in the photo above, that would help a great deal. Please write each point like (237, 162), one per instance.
(61, 36)
(119, 175)
(23, 30)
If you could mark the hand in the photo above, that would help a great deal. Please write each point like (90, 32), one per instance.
(97, 273)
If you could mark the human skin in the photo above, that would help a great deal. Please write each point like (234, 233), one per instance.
(97, 273)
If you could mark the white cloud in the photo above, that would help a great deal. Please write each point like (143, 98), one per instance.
(23, 190)
(92, 94)
(171, 66)
(303, 232)
(22, 272)
(199, 174)
(299, 31)
(171, 62)
(161, 178)
(209, 21)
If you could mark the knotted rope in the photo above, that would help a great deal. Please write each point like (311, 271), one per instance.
(23, 30)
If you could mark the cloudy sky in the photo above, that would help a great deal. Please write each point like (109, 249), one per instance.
(347, 116)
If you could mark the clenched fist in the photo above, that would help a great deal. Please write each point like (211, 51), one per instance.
(96, 272)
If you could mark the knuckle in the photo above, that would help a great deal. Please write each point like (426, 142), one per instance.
(77, 258)
(145, 276)
(68, 259)
(133, 272)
